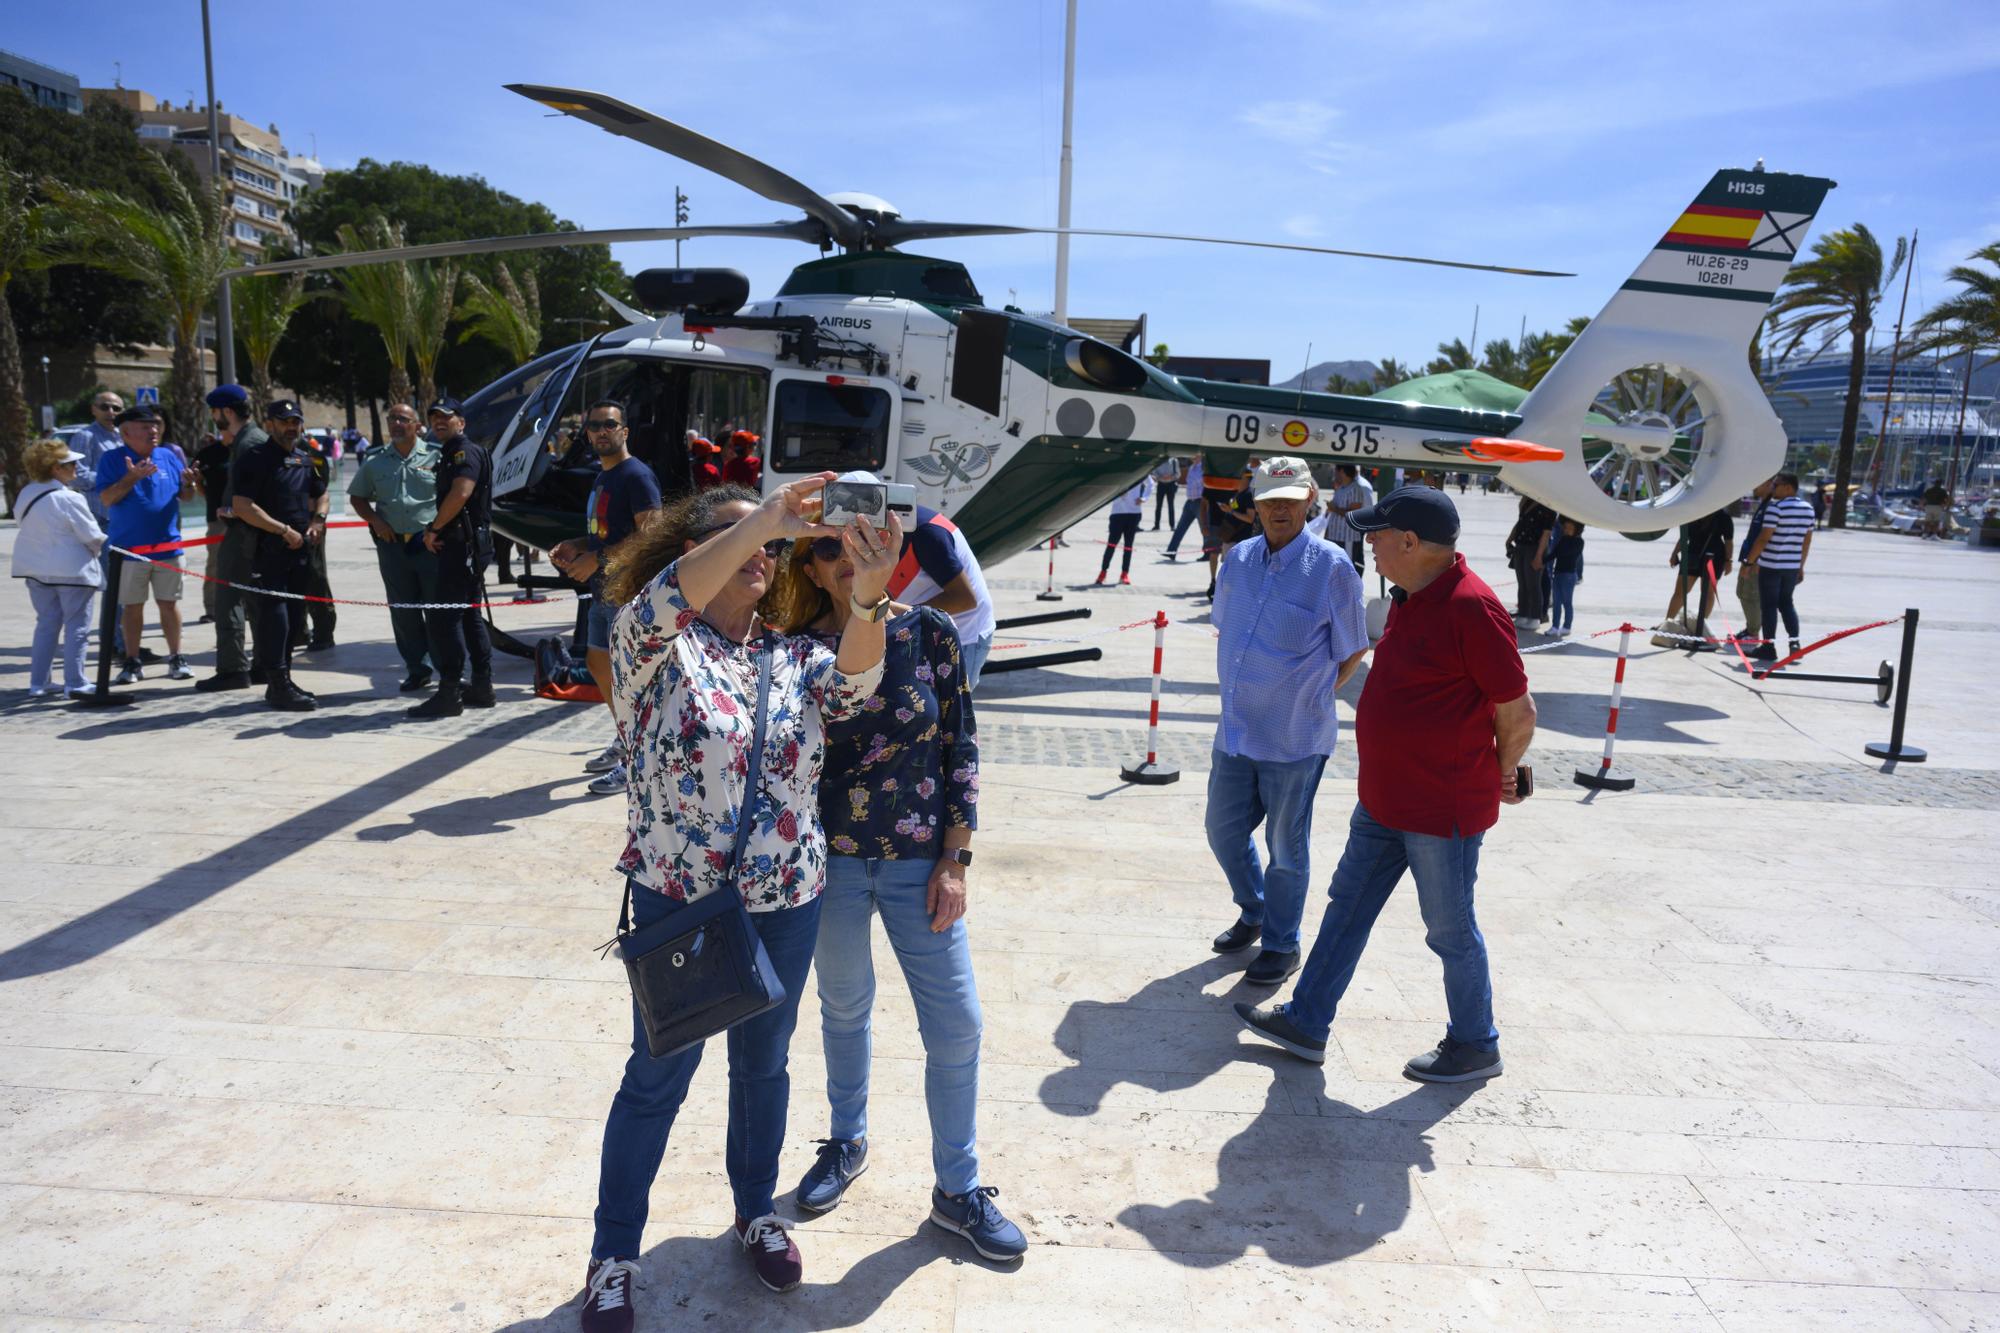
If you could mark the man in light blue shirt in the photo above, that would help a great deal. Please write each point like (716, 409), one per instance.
(1292, 627)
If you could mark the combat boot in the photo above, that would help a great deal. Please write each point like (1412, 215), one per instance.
(286, 697)
(478, 694)
(447, 702)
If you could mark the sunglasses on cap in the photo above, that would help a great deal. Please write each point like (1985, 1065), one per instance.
(774, 549)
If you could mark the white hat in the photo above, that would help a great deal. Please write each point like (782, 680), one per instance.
(71, 457)
(1281, 478)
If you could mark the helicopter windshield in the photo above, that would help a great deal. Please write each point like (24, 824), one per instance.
(819, 427)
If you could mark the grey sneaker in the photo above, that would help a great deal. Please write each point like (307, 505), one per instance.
(1453, 1062)
(177, 668)
(611, 782)
(1272, 967)
(1276, 1027)
(129, 672)
(610, 757)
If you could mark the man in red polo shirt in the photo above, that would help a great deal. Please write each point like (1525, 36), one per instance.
(1443, 722)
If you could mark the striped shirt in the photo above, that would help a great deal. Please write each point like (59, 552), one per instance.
(1790, 521)
(1336, 528)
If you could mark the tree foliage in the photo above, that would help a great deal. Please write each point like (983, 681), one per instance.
(1454, 355)
(430, 207)
(1834, 293)
(29, 241)
(262, 309)
(507, 313)
(74, 305)
(383, 297)
(177, 253)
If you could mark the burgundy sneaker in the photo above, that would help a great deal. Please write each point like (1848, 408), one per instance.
(772, 1252)
(607, 1296)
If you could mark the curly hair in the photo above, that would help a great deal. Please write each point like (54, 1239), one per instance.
(42, 458)
(642, 557)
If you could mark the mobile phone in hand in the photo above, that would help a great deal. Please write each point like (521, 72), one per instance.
(1524, 782)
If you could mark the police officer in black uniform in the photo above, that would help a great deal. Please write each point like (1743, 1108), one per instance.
(275, 490)
(461, 538)
(321, 615)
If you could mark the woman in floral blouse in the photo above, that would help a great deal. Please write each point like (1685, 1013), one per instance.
(900, 801)
(684, 666)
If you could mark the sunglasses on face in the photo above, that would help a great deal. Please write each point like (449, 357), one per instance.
(775, 550)
(402, 421)
(826, 548)
(606, 423)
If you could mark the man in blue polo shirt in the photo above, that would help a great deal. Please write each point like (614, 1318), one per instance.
(142, 486)
(938, 569)
(1292, 627)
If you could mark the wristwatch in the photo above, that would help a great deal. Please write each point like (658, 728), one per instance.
(962, 855)
(872, 614)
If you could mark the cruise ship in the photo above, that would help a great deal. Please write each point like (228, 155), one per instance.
(1810, 393)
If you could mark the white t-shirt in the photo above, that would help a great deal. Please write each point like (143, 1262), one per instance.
(1134, 500)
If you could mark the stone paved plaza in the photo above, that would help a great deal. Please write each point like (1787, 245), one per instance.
(301, 1023)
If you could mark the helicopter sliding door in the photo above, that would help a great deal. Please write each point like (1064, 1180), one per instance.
(830, 423)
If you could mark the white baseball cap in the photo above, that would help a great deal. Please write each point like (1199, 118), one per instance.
(1281, 478)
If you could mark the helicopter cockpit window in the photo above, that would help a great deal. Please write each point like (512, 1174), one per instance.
(820, 427)
(488, 412)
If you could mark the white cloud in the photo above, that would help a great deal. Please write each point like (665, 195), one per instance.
(1302, 121)
(1302, 227)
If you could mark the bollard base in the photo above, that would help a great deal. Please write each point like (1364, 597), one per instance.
(1149, 773)
(102, 699)
(1050, 596)
(1598, 780)
(1906, 754)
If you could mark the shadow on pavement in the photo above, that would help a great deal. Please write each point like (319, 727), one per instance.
(706, 1282)
(105, 928)
(1305, 1188)
(477, 816)
(1639, 718)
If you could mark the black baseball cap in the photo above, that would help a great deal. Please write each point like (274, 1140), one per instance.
(283, 409)
(137, 412)
(1424, 510)
(448, 406)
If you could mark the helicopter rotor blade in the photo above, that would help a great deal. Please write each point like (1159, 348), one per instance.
(896, 230)
(631, 122)
(801, 230)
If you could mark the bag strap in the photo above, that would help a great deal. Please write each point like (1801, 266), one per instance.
(753, 788)
(22, 517)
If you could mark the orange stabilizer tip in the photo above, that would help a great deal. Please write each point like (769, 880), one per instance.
(1493, 449)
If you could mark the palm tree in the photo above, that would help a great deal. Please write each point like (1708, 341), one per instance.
(1965, 323)
(264, 308)
(1454, 355)
(1503, 361)
(1547, 348)
(508, 313)
(433, 298)
(27, 241)
(1835, 292)
(1391, 371)
(382, 296)
(177, 252)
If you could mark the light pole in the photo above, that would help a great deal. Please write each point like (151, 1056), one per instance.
(1062, 176)
(225, 325)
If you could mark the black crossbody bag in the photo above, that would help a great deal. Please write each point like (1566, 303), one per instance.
(702, 969)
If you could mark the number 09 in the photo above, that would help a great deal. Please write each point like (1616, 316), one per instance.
(1240, 429)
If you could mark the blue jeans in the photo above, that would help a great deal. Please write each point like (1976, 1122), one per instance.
(1774, 590)
(1370, 868)
(974, 656)
(1189, 511)
(1243, 793)
(938, 969)
(1565, 592)
(760, 1089)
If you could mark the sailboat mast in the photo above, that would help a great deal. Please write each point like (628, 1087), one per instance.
(1895, 350)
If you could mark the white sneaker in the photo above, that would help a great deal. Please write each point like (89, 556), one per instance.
(610, 757)
(177, 668)
(608, 783)
(130, 673)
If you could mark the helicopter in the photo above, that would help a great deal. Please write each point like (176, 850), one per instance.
(874, 357)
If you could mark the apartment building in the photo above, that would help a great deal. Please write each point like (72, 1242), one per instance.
(264, 177)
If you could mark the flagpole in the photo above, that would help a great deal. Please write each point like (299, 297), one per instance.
(1062, 187)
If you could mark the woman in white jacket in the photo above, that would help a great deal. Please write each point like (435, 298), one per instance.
(56, 553)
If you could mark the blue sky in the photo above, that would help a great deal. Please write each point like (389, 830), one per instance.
(1536, 132)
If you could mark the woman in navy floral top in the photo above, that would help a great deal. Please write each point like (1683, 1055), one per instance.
(899, 797)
